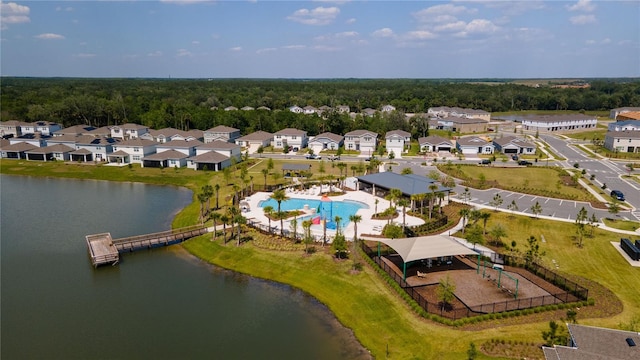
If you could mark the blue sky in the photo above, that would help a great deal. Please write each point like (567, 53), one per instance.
(321, 39)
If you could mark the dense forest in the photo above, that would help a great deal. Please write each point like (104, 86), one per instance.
(199, 103)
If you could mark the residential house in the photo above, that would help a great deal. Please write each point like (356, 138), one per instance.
(343, 109)
(221, 133)
(230, 108)
(76, 130)
(164, 159)
(103, 131)
(170, 134)
(296, 109)
(43, 127)
(308, 110)
(252, 142)
(624, 125)
(590, 342)
(247, 108)
(325, 141)
(472, 145)
(364, 141)
(434, 143)
(613, 114)
(131, 151)
(57, 152)
(388, 108)
(459, 124)
(128, 131)
(324, 109)
(186, 147)
(11, 128)
(214, 156)
(514, 145)
(264, 108)
(368, 112)
(35, 139)
(445, 111)
(17, 150)
(92, 149)
(381, 184)
(289, 137)
(69, 140)
(559, 123)
(396, 142)
(623, 141)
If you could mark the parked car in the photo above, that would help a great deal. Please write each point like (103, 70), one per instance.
(617, 194)
(313, 156)
(525, 163)
(334, 157)
(485, 162)
(514, 157)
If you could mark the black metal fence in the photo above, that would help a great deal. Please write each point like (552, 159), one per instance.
(573, 293)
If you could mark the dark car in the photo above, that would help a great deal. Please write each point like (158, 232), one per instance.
(514, 157)
(525, 163)
(485, 162)
(617, 194)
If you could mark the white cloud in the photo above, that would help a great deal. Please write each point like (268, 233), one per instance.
(431, 13)
(347, 34)
(195, 42)
(325, 48)
(606, 41)
(183, 52)
(60, 8)
(183, 2)
(84, 55)
(383, 33)
(351, 21)
(155, 53)
(582, 5)
(318, 16)
(49, 36)
(419, 35)
(583, 19)
(13, 13)
(237, 48)
(512, 8)
(294, 47)
(481, 26)
(453, 26)
(266, 50)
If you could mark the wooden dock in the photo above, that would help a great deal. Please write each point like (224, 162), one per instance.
(104, 250)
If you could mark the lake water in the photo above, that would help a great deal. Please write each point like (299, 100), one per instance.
(156, 304)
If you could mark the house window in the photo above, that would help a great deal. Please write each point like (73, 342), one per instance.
(135, 158)
(135, 149)
(294, 138)
(350, 146)
(278, 137)
(98, 147)
(367, 139)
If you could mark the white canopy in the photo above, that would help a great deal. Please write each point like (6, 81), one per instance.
(425, 247)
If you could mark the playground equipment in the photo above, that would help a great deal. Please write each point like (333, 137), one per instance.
(500, 269)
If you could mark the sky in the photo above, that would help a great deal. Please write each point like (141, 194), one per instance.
(321, 39)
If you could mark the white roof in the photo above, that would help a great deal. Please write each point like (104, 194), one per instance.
(425, 247)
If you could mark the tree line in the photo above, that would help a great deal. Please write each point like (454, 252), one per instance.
(199, 103)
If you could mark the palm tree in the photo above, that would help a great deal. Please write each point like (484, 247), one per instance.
(216, 188)
(464, 213)
(355, 219)
(236, 190)
(225, 219)
(216, 216)
(280, 196)
(306, 225)
(202, 198)
(207, 190)
(240, 220)
(265, 172)
(432, 187)
(404, 203)
(337, 219)
(294, 228)
(268, 211)
(485, 217)
(420, 197)
(232, 213)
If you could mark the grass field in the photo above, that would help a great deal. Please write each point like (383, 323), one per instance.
(363, 301)
(622, 224)
(535, 180)
(588, 135)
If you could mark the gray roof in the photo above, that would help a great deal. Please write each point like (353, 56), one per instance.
(222, 129)
(19, 147)
(180, 144)
(463, 120)
(210, 157)
(593, 343)
(401, 133)
(558, 118)
(410, 184)
(166, 155)
(291, 131)
(137, 142)
(256, 136)
(218, 145)
(361, 133)
(434, 140)
(58, 148)
(331, 136)
(472, 141)
(505, 140)
(76, 129)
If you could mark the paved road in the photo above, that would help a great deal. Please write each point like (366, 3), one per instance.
(606, 171)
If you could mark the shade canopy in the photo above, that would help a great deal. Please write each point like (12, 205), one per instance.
(425, 247)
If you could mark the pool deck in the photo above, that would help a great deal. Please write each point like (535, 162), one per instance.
(366, 226)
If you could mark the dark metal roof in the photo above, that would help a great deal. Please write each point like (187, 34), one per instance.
(410, 184)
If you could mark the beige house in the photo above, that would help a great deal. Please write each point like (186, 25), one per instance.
(559, 123)
(623, 141)
(221, 133)
(253, 141)
(364, 141)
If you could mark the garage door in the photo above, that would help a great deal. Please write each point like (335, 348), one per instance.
(469, 150)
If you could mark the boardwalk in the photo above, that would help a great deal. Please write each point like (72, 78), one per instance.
(104, 250)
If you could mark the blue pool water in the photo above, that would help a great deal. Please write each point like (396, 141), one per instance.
(344, 209)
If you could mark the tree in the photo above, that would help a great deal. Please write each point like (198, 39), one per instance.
(533, 253)
(355, 219)
(407, 171)
(464, 213)
(536, 209)
(270, 164)
(338, 219)
(472, 353)
(513, 207)
(215, 216)
(614, 207)
(445, 291)
(339, 245)
(202, 198)
(226, 174)
(260, 150)
(432, 187)
(593, 223)
(280, 196)
(581, 219)
(224, 218)
(265, 172)
(392, 231)
(240, 220)
(466, 195)
(497, 233)
(216, 188)
(207, 190)
(268, 212)
(484, 216)
(293, 224)
(474, 235)
(404, 203)
(496, 201)
(306, 226)
(555, 335)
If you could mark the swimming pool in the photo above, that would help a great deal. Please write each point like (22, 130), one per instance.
(344, 208)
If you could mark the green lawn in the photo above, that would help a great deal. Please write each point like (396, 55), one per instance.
(541, 181)
(588, 135)
(622, 224)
